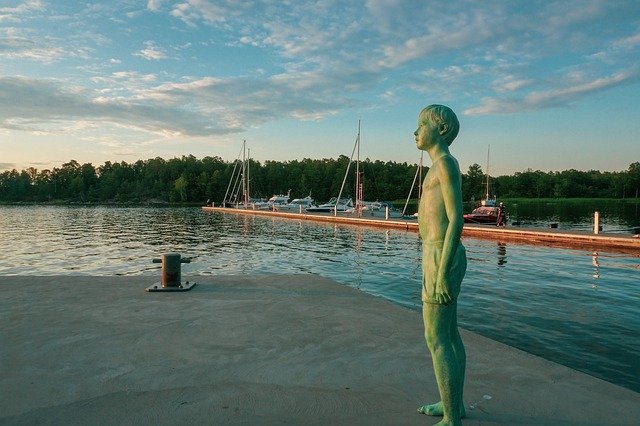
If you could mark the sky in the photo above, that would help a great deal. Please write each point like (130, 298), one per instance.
(542, 85)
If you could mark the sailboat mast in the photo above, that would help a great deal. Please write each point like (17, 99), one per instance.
(417, 176)
(356, 145)
(245, 194)
(486, 197)
(420, 171)
(359, 194)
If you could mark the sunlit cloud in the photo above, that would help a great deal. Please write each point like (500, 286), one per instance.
(511, 84)
(7, 166)
(154, 5)
(192, 11)
(629, 42)
(151, 52)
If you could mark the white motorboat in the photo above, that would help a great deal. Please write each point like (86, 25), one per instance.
(333, 205)
(297, 205)
(278, 200)
(381, 209)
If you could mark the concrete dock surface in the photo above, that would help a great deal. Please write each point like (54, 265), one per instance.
(258, 350)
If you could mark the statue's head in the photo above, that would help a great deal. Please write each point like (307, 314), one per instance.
(443, 117)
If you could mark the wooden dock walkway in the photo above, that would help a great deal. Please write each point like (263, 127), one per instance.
(627, 243)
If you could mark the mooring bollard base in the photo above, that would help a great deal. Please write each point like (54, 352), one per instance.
(182, 287)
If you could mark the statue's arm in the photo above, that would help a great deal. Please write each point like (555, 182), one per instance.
(450, 184)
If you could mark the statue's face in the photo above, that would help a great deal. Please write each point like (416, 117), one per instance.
(426, 133)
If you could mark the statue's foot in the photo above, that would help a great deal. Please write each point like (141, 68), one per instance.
(432, 409)
(437, 410)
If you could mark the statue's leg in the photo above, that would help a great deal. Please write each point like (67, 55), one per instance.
(447, 352)
(461, 358)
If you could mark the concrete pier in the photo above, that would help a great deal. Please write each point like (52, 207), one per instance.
(553, 237)
(258, 350)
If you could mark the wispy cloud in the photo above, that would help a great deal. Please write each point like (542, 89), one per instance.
(558, 97)
(196, 108)
(629, 42)
(16, 13)
(17, 44)
(154, 5)
(192, 11)
(151, 52)
(32, 105)
(7, 166)
(317, 58)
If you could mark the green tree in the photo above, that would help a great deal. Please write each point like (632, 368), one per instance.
(472, 187)
(180, 187)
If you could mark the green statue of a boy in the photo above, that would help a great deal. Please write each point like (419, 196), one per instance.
(444, 260)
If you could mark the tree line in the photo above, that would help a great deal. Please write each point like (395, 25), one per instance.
(191, 180)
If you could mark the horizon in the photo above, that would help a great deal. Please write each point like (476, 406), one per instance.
(543, 85)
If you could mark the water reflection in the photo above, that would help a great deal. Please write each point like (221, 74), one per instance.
(596, 267)
(502, 254)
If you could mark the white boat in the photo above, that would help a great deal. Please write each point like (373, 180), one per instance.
(278, 200)
(333, 206)
(297, 205)
(382, 209)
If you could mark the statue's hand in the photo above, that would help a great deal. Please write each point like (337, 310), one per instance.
(443, 295)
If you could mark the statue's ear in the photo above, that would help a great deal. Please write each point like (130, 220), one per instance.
(443, 128)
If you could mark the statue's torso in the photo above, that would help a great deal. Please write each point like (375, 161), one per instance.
(432, 217)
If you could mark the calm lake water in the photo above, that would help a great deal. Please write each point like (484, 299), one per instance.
(616, 216)
(577, 308)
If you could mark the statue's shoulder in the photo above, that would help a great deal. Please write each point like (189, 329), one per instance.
(447, 161)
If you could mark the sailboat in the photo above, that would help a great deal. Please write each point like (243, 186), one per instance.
(488, 201)
(237, 194)
(487, 212)
(239, 181)
(337, 204)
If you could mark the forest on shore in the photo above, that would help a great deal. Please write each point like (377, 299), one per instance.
(191, 180)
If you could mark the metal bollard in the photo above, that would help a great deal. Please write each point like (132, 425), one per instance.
(171, 277)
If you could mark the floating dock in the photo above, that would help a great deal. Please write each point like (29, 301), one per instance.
(626, 243)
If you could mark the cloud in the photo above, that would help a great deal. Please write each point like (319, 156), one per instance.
(8, 166)
(199, 107)
(511, 84)
(15, 14)
(13, 45)
(36, 105)
(151, 52)
(557, 97)
(566, 95)
(194, 10)
(154, 5)
(314, 59)
(629, 42)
